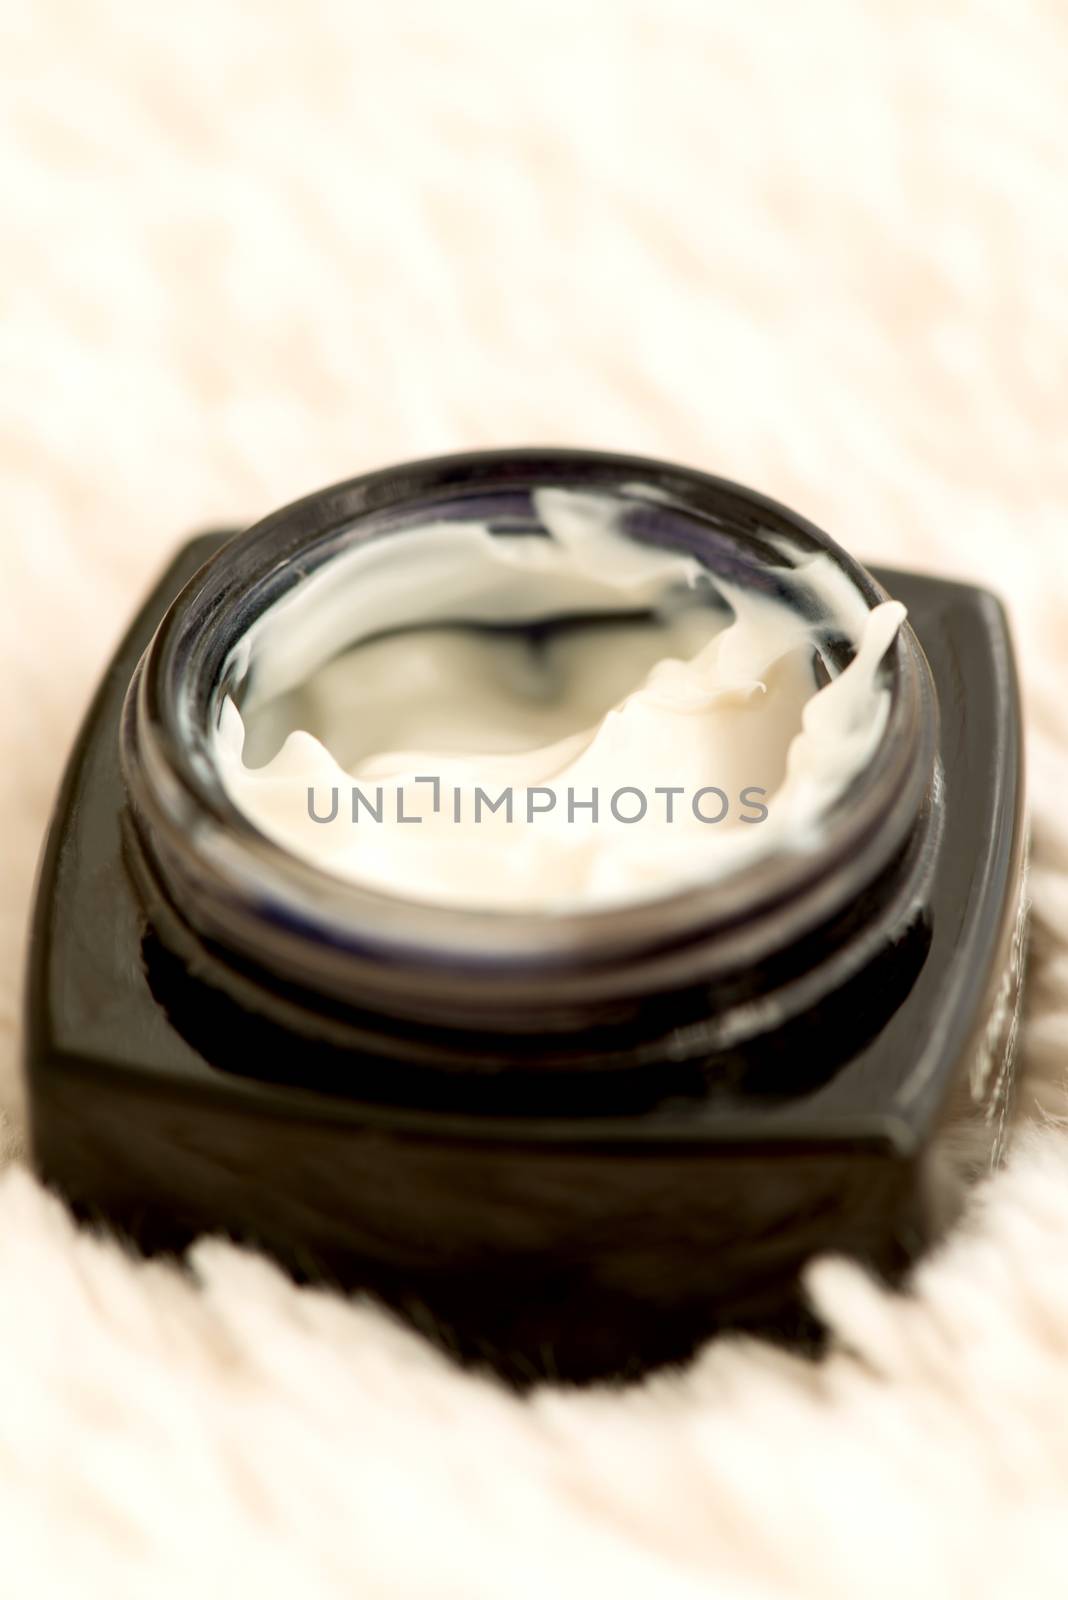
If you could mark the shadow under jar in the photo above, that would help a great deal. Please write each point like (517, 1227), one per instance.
(568, 1142)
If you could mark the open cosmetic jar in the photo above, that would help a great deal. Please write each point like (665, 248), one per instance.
(570, 1083)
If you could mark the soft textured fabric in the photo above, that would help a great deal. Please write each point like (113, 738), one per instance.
(247, 250)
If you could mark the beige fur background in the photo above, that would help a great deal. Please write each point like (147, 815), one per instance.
(249, 249)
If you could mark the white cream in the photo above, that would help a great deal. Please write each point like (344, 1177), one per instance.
(714, 691)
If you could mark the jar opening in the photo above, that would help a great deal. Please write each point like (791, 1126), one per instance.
(275, 606)
(551, 707)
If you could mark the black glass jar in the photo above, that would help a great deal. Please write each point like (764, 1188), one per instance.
(567, 1141)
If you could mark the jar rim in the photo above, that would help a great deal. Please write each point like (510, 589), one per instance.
(246, 892)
